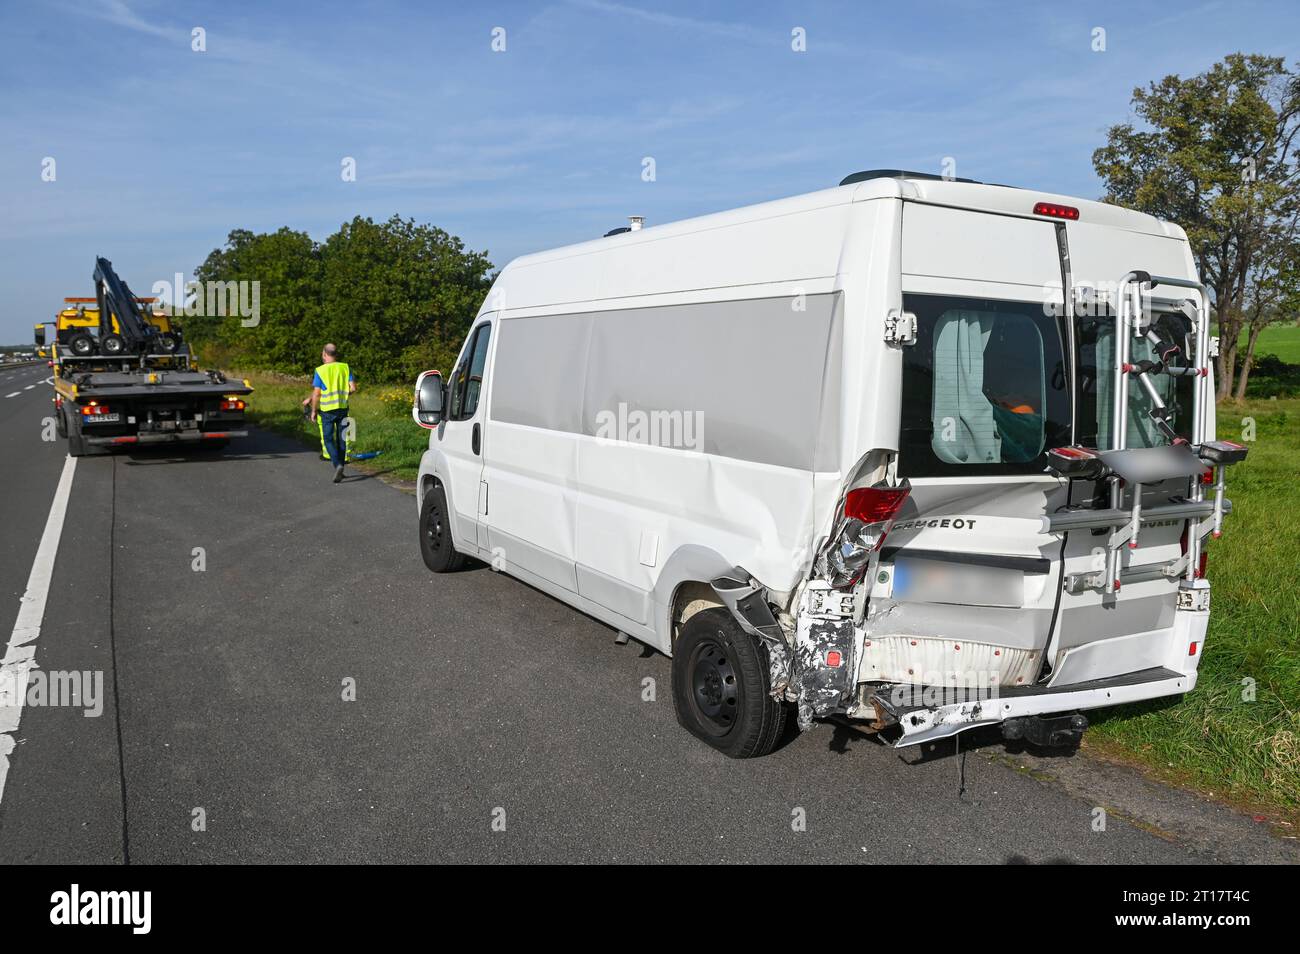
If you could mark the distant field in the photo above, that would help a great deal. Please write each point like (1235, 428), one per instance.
(1281, 340)
(1276, 372)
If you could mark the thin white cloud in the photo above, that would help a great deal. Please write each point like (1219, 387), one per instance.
(118, 13)
(739, 31)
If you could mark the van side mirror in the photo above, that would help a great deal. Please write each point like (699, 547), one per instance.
(427, 411)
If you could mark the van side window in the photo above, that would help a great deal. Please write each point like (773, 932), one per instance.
(984, 388)
(467, 381)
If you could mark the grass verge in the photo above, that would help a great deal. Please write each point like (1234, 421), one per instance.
(382, 417)
(1238, 733)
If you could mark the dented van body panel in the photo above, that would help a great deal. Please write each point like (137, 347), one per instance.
(833, 415)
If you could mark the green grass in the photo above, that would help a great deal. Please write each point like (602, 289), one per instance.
(382, 416)
(1215, 738)
(1276, 369)
(1246, 751)
(1281, 340)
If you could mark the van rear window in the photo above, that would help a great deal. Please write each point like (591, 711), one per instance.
(984, 388)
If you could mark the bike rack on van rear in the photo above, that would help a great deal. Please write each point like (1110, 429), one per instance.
(1120, 466)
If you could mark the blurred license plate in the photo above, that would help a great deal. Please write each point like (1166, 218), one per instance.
(920, 580)
(101, 418)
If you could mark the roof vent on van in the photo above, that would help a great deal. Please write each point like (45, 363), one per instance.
(900, 174)
(635, 224)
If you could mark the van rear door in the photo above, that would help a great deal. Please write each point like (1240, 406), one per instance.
(967, 592)
(1101, 633)
(971, 588)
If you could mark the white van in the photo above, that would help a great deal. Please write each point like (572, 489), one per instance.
(844, 454)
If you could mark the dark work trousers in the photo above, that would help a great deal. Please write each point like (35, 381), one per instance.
(332, 427)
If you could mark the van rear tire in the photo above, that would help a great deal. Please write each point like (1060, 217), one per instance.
(436, 547)
(722, 687)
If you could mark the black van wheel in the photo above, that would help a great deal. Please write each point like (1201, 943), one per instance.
(721, 687)
(436, 547)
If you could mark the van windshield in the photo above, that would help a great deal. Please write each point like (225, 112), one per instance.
(984, 388)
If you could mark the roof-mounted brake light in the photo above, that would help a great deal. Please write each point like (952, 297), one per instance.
(1054, 211)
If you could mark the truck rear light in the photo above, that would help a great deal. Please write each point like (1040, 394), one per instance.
(93, 408)
(1054, 211)
(233, 405)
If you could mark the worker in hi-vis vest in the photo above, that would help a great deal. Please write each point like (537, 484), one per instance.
(331, 386)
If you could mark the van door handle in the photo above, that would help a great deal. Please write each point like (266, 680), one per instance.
(474, 439)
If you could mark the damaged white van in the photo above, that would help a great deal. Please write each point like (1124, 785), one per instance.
(920, 453)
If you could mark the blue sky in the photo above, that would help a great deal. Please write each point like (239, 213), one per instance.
(160, 150)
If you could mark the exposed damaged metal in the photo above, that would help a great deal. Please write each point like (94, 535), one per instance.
(825, 666)
(747, 600)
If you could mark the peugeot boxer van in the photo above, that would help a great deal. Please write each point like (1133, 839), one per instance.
(918, 453)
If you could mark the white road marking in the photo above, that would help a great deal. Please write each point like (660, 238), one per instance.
(29, 387)
(15, 394)
(20, 653)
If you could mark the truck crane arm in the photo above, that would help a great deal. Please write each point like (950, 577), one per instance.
(115, 298)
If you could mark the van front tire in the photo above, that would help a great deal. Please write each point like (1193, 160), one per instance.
(722, 689)
(436, 546)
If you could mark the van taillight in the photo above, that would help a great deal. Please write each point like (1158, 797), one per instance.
(869, 514)
(1054, 211)
(1081, 462)
(874, 504)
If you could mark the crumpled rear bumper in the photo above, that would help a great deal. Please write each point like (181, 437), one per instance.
(924, 723)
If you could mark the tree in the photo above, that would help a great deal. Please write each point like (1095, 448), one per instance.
(396, 297)
(1217, 154)
(286, 264)
(1272, 295)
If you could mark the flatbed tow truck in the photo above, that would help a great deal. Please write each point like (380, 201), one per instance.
(124, 375)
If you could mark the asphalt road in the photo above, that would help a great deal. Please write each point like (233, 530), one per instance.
(477, 699)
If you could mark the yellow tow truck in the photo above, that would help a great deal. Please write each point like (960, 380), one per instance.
(124, 375)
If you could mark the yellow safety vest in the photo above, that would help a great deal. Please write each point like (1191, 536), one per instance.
(335, 378)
